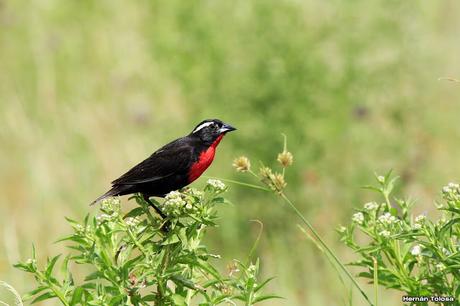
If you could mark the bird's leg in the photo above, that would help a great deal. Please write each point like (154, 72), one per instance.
(166, 224)
(146, 198)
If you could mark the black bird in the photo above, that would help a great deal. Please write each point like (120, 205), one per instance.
(173, 166)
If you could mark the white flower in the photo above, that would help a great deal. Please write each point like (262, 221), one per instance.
(416, 250)
(216, 184)
(174, 203)
(420, 219)
(196, 193)
(358, 218)
(173, 195)
(417, 226)
(132, 221)
(342, 229)
(387, 218)
(110, 204)
(104, 217)
(371, 206)
(381, 179)
(385, 233)
(451, 192)
(440, 266)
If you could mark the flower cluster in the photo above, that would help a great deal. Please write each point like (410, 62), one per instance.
(132, 221)
(451, 192)
(358, 218)
(387, 219)
(110, 208)
(111, 205)
(217, 185)
(173, 204)
(419, 221)
(371, 206)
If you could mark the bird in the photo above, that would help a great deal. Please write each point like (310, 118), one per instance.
(173, 166)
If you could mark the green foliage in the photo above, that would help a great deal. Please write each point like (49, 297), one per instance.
(398, 250)
(139, 259)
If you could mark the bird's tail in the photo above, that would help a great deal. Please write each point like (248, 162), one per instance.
(112, 192)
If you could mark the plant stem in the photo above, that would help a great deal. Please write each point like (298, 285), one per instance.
(53, 288)
(376, 281)
(244, 184)
(326, 247)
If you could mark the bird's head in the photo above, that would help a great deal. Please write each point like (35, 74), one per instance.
(210, 130)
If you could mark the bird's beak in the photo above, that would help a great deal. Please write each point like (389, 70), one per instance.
(226, 128)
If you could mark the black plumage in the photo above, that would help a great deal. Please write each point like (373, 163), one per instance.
(171, 167)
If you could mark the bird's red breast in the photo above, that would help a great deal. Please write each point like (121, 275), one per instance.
(204, 160)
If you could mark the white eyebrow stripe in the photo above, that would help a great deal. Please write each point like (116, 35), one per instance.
(203, 125)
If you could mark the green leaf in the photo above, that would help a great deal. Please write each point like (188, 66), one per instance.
(51, 265)
(22, 266)
(171, 239)
(180, 280)
(30, 294)
(267, 297)
(178, 300)
(94, 275)
(117, 300)
(447, 226)
(45, 296)
(149, 298)
(261, 285)
(77, 295)
(134, 213)
(394, 212)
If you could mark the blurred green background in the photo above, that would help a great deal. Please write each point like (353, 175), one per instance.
(89, 88)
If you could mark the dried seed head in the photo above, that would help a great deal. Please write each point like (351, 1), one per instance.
(265, 172)
(242, 164)
(279, 182)
(285, 158)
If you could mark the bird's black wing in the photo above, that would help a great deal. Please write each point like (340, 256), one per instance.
(173, 158)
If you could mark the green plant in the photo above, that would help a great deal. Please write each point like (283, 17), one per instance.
(134, 261)
(274, 181)
(412, 254)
